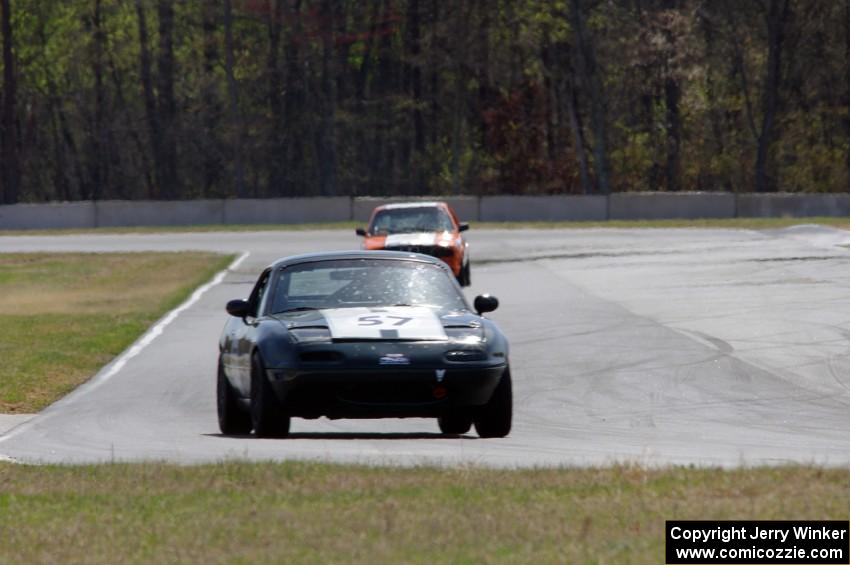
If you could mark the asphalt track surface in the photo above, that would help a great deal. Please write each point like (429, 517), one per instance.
(684, 346)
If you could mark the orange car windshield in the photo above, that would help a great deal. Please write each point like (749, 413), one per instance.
(409, 220)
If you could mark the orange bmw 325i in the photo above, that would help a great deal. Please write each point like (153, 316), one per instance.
(431, 228)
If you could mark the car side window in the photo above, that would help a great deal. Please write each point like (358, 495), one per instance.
(259, 292)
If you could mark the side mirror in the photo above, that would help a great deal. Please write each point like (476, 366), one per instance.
(238, 308)
(360, 232)
(485, 303)
(463, 226)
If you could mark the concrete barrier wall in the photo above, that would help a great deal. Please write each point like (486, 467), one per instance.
(287, 210)
(53, 215)
(667, 205)
(619, 206)
(543, 208)
(793, 205)
(127, 213)
(466, 207)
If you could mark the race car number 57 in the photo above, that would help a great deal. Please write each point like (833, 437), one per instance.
(378, 320)
(390, 322)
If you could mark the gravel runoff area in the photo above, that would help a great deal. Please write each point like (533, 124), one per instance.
(659, 346)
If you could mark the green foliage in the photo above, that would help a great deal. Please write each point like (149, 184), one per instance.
(413, 97)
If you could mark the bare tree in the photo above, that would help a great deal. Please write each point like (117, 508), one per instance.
(568, 93)
(154, 129)
(211, 110)
(846, 71)
(672, 97)
(590, 80)
(235, 114)
(11, 165)
(776, 17)
(414, 37)
(167, 103)
(277, 145)
(98, 161)
(327, 130)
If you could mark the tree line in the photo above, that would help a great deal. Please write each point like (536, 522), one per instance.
(166, 99)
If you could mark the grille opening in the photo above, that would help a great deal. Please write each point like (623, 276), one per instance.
(320, 356)
(433, 250)
(466, 355)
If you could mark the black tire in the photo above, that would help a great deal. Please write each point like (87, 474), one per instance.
(494, 418)
(232, 419)
(267, 415)
(454, 423)
(464, 278)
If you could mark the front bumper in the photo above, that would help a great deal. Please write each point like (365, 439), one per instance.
(449, 254)
(396, 392)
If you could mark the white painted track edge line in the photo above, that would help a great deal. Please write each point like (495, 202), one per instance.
(115, 366)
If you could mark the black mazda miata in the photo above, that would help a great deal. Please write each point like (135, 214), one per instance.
(362, 334)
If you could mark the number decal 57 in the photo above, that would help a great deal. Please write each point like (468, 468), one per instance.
(381, 320)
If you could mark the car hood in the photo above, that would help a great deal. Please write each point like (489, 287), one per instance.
(423, 238)
(418, 239)
(386, 323)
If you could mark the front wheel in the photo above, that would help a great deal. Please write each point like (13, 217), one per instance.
(464, 278)
(267, 415)
(494, 418)
(232, 419)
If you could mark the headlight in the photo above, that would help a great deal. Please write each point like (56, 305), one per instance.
(310, 335)
(464, 335)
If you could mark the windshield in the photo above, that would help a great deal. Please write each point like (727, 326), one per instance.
(352, 283)
(406, 220)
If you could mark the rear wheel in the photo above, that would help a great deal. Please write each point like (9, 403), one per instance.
(494, 418)
(267, 415)
(454, 423)
(231, 418)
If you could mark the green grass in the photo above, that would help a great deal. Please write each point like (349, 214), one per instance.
(63, 316)
(297, 512)
(736, 223)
